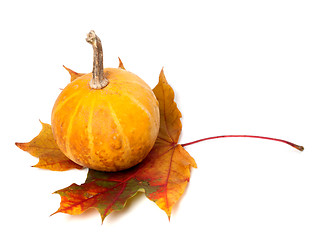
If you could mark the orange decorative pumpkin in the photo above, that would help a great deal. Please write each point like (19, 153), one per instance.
(107, 120)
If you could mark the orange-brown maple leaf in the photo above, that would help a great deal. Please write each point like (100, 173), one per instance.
(73, 74)
(45, 148)
(163, 175)
(121, 65)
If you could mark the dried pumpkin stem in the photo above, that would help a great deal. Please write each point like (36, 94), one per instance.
(98, 80)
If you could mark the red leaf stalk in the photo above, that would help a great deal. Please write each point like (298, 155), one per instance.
(300, 148)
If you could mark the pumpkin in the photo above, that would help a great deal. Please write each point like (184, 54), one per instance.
(107, 120)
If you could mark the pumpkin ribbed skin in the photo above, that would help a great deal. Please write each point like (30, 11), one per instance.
(108, 129)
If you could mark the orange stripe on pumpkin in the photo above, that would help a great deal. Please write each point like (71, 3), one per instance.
(120, 129)
(63, 102)
(69, 129)
(90, 129)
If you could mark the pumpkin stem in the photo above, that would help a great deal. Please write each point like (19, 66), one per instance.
(98, 80)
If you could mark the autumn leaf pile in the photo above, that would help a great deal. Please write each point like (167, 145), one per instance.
(162, 176)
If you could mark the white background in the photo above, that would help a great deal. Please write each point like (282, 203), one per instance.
(237, 67)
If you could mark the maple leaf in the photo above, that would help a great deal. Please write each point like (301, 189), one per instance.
(121, 65)
(73, 74)
(45, 148)
(163, 175)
